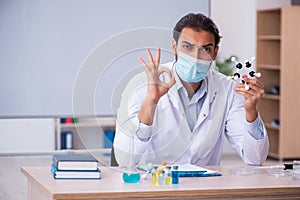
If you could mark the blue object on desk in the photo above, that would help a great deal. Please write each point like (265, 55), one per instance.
(175, 175)
(198, 174)
(190, 170)
(131, 177)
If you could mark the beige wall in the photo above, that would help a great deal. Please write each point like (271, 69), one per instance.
(236, 20)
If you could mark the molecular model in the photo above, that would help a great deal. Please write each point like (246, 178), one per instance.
(239, 66)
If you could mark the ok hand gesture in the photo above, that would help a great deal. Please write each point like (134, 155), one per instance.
(156, 87)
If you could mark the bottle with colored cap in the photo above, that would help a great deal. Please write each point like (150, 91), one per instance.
(175, 175)
(168, 179)
(154, 174)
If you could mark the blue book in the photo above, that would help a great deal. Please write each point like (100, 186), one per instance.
(75, 162)
(190, 170)
(74, 174)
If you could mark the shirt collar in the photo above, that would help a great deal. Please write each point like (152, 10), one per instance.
(199, 94)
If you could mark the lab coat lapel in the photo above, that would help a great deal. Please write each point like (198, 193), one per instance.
(174, 99)
(176, 102)
(206, 107)
(214, 108)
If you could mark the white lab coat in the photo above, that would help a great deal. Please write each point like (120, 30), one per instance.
(170, 139)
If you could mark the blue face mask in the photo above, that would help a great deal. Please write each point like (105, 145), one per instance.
(191, 69)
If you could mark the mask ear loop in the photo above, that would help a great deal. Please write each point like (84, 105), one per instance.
(211, 59)
(176, 58)
(210, 65)
(172, 70)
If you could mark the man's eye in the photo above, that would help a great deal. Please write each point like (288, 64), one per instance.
(186, 46)
(206, 49)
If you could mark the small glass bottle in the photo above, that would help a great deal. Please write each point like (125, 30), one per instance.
(175, 175)
(131, 177)
(154, 175)
(159, 169)
(168, 179)
(161, 178)
(131, 174)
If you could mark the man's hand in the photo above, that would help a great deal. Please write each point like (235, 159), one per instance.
(251, 96)
(156, 87)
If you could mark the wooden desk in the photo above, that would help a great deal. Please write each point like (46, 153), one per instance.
(42, 186)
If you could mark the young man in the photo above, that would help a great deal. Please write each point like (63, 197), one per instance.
(180, 112)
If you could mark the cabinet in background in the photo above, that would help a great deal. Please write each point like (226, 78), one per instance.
(85, 133)
(278, 59)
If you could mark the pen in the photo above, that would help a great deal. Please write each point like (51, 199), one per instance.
(284, 167)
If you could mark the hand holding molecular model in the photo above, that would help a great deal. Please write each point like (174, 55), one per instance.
(239, 66)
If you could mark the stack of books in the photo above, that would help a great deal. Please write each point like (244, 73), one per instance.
(75, 166)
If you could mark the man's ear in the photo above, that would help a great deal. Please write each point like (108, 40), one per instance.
(216, 52)
(174, 51)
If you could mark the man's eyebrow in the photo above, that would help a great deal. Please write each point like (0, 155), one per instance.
(186, 42)
(207, 45)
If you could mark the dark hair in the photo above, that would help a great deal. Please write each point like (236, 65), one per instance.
(197, 22)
